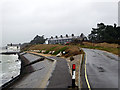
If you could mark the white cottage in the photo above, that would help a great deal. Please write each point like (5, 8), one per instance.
(13, 47)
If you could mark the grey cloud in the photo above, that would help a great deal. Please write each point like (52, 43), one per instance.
(23, 19)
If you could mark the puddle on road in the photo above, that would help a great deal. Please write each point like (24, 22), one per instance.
(101, 69)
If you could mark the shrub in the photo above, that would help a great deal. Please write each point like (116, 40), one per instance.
(60, 50)
(49, 50)
(40, 51)
(71, 58)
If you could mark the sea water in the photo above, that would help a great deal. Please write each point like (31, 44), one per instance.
(9, 67)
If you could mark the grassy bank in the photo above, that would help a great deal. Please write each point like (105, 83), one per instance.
(70, 50)
(73, 49)
(112, 48)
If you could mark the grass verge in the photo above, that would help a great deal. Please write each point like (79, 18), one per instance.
(112, 48)
(60, 50)
(71, 50)
(49, 50)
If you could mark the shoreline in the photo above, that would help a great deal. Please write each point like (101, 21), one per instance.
(30, 72)
(23, 72)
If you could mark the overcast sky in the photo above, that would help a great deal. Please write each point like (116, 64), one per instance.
(22, 20)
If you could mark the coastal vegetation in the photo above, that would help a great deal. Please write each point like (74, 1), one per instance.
(70, 50)
(38, 40)
(112, 48)
(105, 33)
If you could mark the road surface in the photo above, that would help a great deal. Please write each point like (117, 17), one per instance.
(102, 69)
(61, 77)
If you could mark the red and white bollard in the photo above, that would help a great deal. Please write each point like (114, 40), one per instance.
(73, 75)
(74, 87)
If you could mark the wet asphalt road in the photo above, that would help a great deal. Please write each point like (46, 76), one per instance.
(61, 77)
(102, 69)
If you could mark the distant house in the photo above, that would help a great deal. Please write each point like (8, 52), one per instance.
(13, 47)
(65, 39)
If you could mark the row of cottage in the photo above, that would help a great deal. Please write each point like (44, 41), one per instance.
(65, 39)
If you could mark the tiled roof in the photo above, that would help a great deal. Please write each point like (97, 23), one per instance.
(13, 45)
(70, 37)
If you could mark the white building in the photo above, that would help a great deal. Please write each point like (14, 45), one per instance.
(46, 42)
(13, 47)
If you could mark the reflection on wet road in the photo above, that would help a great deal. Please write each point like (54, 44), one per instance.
(102, 69)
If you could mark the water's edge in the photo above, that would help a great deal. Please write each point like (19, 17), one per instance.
(24, 61)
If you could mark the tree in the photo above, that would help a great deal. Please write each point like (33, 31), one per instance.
(104, 33)
(118, 32)
(38, 40)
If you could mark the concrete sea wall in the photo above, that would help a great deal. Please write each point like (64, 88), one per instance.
(35, 72)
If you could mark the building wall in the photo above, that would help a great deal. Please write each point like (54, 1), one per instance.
(65, 39)
(59, 41)
(13, 48)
